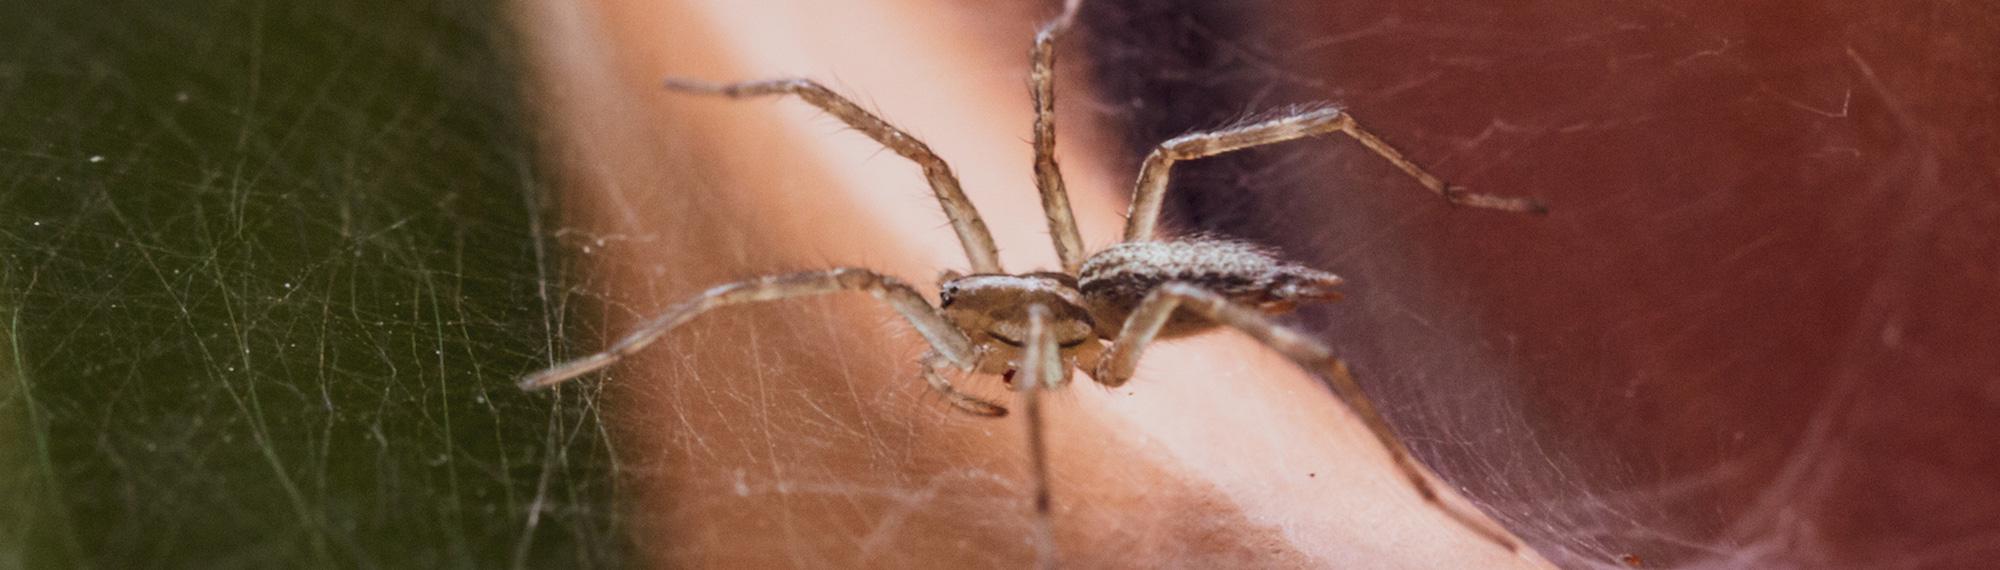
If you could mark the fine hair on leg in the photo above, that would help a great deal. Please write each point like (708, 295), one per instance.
(965, 402)
(947, 340)
(1040, 370)
(980, 250)
(1048, 175)
(1149, 190)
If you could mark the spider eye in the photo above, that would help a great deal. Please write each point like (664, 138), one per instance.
(944, 298)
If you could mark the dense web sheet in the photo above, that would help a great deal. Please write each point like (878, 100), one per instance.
(268, 272)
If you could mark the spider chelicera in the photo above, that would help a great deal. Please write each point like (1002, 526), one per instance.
(1102, 310)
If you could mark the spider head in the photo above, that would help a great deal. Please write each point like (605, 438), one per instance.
(993, 312)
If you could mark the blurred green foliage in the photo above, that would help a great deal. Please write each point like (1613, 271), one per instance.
(266, 273)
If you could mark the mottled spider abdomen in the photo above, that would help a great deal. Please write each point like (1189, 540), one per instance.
(1115, 280)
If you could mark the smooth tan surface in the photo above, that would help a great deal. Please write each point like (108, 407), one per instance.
(799, 435)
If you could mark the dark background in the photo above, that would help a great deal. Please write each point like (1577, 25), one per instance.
(265, 271)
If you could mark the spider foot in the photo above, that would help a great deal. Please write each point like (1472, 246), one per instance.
(1459, 196)
(980, 408)
(1108, 378)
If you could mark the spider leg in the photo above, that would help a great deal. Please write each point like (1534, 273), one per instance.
(1148, 192)
(980, 250)
(943, 337)
(1048, 176)
(1040, 370)
(1145, 323)
(968, 403)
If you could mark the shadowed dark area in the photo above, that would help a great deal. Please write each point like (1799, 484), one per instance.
(1756, 331)
(265, 269)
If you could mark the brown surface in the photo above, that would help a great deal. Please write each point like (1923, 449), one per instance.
(1759, 329)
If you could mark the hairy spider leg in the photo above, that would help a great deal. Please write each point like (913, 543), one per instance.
(944, 338)
(980, 250)
(968, 403)
(1149, 190)
(1140, 328)
(1040, 370)
(1048, 176)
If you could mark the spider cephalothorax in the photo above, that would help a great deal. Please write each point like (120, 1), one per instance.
(1098, 313)
(993, 311)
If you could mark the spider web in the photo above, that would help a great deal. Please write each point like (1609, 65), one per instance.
(267, 273)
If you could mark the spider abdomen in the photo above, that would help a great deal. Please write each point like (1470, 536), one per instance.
(1114, 281)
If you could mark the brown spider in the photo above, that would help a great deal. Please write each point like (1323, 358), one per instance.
(1041, 326)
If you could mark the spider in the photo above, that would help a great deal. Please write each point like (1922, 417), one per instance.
(1101, 311)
